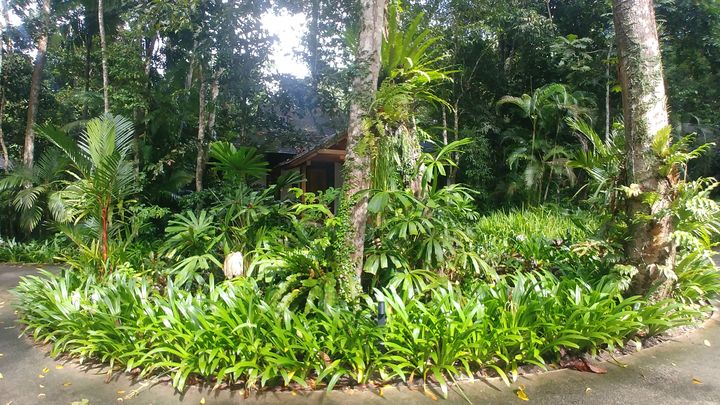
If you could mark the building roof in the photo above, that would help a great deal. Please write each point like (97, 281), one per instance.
(331, 149)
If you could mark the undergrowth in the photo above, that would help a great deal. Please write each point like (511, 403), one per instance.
(231, 333)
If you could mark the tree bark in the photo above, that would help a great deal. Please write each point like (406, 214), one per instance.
(3, 147)
(607, 92)
(103, 54)
(358, 159)
(214, 92)
(650, 247)
(35, 84)
(200, 159)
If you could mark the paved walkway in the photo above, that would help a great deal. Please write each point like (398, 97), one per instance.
(659, 375)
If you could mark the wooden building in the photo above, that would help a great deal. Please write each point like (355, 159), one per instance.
(321, 166)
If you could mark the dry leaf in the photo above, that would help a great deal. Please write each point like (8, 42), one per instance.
(520, 392)
(588, 390)
(9, 403)
(120, 392)
(59, 367)
(41, 386)
(580, 364)
(696, 381)
(706, 343)
(381, 393)
(67, 384)
(41, 395)
(1, 376)
(41, 376)
(202, 401)
(46, 370)
(119, 399)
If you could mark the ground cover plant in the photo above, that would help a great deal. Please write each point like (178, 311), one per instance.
(232, 333)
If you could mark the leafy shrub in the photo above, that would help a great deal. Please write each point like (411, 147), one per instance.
(33, 251)
(233, 332)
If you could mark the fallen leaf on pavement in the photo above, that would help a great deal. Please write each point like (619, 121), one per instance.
(588, 390)
(59, 367)
(46, 370)
(41, 395)
(706, 343)
(41, 376)
(1, 376)
(67, 384)
(520, 392)
(696, 381)
(580, 364)
(202, 401)
(120, 392)
(429, 394)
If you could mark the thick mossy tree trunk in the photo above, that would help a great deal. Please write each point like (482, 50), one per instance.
(649, 247)
(35, 84)
(358, 159)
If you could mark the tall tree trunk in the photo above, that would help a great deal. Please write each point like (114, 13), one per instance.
(35, 84)
(188, 85)
(148, 46)
(103, 56)
(214, 92)
(358, 159)
(649, 248)
(88, 57)
(200, 159)
(456, 136)
(607, 91)
(3, 147)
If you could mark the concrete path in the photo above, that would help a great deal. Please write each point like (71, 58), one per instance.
(659, 375)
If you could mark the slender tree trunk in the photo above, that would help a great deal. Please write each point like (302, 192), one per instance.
(214, 93)
(103, 54)
(148, 46)
(650, 247)
(3, 147)
(200, 159)
(88, 57)
(188, 85)
(456, 135)
(35, 84)
(607, 92)
(358, 159)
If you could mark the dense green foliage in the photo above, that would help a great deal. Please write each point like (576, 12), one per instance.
(495, 211)
(232, 333)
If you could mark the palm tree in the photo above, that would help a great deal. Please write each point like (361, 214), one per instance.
(103, 174)
(35, 189)
(544, 159)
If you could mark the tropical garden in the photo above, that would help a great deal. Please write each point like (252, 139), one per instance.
(524, 182)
